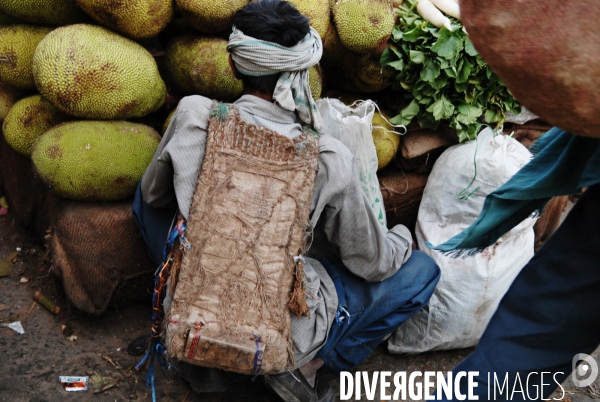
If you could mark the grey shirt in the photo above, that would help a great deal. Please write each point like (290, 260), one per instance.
(345, 227)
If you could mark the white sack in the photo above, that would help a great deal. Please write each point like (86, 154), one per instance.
(352, 125)
(470, 288)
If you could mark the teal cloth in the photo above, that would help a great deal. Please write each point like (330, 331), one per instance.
(563, 164)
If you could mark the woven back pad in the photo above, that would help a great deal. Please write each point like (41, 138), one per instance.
(247, 221)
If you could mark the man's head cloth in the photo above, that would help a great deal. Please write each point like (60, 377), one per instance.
(256, 57)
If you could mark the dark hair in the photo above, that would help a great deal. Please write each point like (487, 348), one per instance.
(275, 21)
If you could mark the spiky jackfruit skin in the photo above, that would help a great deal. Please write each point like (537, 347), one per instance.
(210, 16)
(315, 81)
(94, 160)
(370, 76)
(46, 12)
(17, 46)
(349, 71)
(91, 72)
(317, 12)
(386, 142)
(8, 97)
(363, 25)
(27, 120)
(135, 18)
(200, 65)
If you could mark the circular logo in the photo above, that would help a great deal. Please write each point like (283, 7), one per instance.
(586, 372)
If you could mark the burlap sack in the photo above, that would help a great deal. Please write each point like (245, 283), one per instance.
(402, 192)
(417, 141)
(420, 148)
(99, 255)
(247, 221)
(547, 52)
(30, 200)
(528, 133)
(421, 165)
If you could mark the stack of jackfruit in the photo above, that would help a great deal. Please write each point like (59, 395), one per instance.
(86, 84)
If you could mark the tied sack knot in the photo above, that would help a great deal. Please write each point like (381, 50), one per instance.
(297, 304)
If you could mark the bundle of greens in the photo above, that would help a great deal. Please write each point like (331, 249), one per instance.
(443, 77)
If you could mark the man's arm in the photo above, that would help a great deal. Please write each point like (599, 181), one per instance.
(171, 177)
(350, 224)
(157, 181)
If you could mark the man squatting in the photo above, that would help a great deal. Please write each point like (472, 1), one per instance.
(369, 278)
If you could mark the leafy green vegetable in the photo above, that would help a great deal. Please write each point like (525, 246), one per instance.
(443, 77)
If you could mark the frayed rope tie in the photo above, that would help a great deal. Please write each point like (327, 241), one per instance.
(156, 349)
(299, 258)
(197, 328)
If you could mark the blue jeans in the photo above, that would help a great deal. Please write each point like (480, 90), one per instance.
(154, 225)
(550, 313)
(373, 310)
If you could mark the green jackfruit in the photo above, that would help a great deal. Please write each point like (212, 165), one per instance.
(315, 81)
(17, 45)
(94, 160)
(385, 139)
(351, 71)
(8, 96)
(47, 12)
(200, 65)
(135, 18)
(210, 16)
(90, 72)
(370, 76)
(27, 120)
(317, 11)
(363, 25)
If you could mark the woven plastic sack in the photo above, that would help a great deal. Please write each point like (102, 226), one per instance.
(547, 52)
(470, 288)
(352, 126)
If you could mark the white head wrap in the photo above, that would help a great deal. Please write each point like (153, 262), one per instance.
(255, 57)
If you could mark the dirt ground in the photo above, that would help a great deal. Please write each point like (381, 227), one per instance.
(31, 363)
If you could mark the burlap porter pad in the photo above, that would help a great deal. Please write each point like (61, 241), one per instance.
(248, 219)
